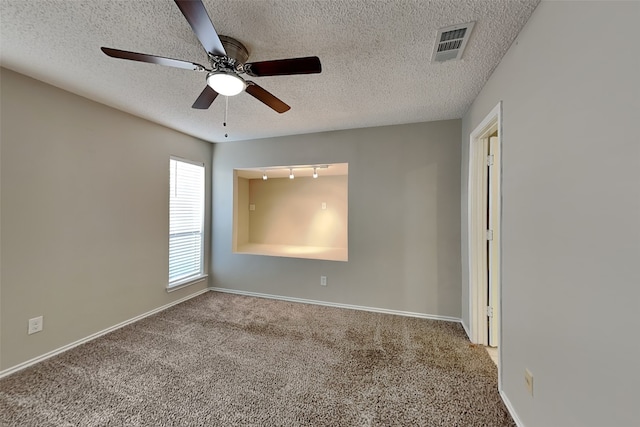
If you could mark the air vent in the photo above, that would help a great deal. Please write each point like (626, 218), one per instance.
(451, 41)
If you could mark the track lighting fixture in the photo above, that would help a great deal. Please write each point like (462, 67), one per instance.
(303, 171)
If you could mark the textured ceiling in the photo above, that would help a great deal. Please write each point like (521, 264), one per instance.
(375, 57)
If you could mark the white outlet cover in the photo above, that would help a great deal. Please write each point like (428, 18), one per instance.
(528, 378)
(35, 325)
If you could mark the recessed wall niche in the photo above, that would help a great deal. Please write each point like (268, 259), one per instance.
(296, 211)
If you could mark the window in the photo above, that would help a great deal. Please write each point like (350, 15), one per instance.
(186, 221)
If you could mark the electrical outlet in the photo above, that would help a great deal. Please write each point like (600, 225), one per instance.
(324, 206)
(528, 378)
(323, 280)
(35, 325)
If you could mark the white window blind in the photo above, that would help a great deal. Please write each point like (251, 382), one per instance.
(186, 220)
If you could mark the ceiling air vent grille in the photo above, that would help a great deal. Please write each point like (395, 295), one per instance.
(451, 41)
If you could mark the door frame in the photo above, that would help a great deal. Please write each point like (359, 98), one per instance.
(493, 245)
(477, 250)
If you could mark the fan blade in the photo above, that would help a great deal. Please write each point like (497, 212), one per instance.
(283, 67)
(265, 97)
(205, 99)
(142, 57)
(198, 18)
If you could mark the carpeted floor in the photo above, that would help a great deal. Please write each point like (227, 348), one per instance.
(228, 360)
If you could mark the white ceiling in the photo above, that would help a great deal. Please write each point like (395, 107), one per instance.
(375, 57)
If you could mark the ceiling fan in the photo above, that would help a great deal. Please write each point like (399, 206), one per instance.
(227, 57)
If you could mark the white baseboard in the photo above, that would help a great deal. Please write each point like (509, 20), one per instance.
(64, 348)
(339, 305)
(466, 329)
(511, 410)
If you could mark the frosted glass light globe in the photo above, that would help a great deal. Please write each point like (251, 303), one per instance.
(226, 84)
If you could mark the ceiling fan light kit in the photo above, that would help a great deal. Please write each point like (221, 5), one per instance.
(227, 84)
(227, 57)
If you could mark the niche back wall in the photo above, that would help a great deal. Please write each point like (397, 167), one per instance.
(403, 226)
(287, 211)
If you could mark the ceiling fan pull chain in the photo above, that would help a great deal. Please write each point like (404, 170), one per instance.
(226, 109)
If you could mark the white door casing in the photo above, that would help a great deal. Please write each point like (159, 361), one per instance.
(484, 257)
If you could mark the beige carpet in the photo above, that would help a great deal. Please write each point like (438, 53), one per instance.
(228, 360)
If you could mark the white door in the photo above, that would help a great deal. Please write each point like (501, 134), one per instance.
(493, 247)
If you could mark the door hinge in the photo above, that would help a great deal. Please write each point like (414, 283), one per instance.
(489, 311)
(489, 235)
(490, 160)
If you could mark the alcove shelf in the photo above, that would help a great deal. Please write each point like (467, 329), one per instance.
(299, 217)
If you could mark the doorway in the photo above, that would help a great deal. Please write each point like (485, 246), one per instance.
(484, 230)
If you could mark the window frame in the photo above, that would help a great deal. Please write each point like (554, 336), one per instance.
(200, 275)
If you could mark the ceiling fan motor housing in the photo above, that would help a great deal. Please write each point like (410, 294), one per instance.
(235, 50)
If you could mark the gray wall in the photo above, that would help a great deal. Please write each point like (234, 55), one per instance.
(84, 196)
(571, 213)
(403, 226)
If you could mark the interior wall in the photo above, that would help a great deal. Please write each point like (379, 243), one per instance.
(570, 213)
(84, 197)
(403, 225)
(289, 211)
